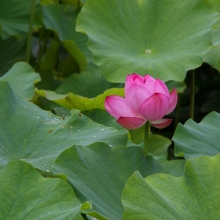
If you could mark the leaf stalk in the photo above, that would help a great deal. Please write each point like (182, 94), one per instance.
(29, 35)
(146, 137)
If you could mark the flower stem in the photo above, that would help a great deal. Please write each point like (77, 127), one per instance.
(146, 135)
(28, 45)
(178, 110)
(192, 93)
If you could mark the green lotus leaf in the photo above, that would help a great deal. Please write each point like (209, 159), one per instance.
(98, 173)
(158, 144)
(102, 117)
(180, 86)
(36, 136)
(76, 92)
(216, 5)
(25, 77)
(72, 101)
(213, 57)
(147, 36)
(54, 17)
(194, 196)
(11, 50)
(49, 60)
(14, 17)
(25, 194)
(82, 83)
(198, 139)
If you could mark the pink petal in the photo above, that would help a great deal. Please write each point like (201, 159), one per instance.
(149, 83)
(133, 79)
(173, 101)
(117, 107)
(135, 96)
(131, 123)
(155, 107)
(161, 123)
(160, 87)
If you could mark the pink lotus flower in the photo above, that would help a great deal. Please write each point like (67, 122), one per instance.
(146, 99)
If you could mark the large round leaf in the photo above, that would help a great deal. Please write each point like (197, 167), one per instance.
(194, 140)
(38, 137)
(25, 194)
(98, 173)
(162, 38)
(25, 77)
(194, 196)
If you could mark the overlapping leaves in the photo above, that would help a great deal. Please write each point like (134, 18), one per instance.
(98, 173)
(194, 196)
(76, 92)
(38, 137)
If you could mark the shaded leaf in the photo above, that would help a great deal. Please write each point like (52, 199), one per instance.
(11, 50)
(81, 84)
(14, 17)
(49, 60)
(54, 16)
